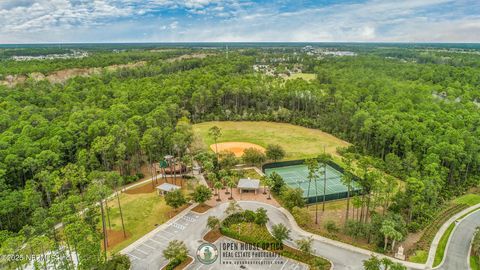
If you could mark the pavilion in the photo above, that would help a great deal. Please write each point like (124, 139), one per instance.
(247, 184)
(165, 188)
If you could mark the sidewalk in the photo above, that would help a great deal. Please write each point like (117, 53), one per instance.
(441, 231)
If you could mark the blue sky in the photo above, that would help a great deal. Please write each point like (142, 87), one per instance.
(41, 21)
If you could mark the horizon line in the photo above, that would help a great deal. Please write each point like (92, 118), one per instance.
(240, 42)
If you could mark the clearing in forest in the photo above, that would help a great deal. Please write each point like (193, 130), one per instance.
(304, 76)
(143, 210)
(298, 142)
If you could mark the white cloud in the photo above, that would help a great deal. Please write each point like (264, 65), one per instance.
(237, 20)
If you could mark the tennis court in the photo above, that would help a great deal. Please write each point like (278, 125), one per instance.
(296, 176)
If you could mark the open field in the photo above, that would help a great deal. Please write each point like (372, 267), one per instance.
(142, 212)
(305, 76)
(298, 142)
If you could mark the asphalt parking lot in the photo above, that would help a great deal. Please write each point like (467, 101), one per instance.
(148, 255)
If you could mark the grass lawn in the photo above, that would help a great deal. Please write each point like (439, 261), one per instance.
(469, 199)
(420, 256)
(250, 173)
(141, 213)
(305, 76)
(260, 233)
(474, 262)
(298, 142)
(255, 231)
(442, 245)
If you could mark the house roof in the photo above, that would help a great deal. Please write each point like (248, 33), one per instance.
(167, 187)
(247, 183)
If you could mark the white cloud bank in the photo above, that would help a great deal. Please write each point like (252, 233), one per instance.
(31, 21)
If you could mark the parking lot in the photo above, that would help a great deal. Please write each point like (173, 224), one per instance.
(148, 255)
(278, 263)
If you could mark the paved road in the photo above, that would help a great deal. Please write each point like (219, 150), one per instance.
(190, 228)
(457, 256)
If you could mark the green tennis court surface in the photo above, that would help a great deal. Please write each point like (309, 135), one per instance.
(296, 176)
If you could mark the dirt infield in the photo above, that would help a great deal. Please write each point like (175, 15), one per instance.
(235, 147)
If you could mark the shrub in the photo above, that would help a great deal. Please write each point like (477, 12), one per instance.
(201, 194)
(277, 182)
(275, 152)
(293, 198)
(253, 156)
(249, 216)
(118, 262)
(173, 263)
(355, 229)
(175, 198)
(331, 226)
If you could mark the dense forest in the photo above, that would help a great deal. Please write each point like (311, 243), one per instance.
(66, 146)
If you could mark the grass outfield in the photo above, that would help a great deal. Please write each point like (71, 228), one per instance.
(298, 142)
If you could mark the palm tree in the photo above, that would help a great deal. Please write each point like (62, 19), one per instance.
(347, 179)
(215, 132)
(389, 232)
(324, 158)
(312, 165)
(213, 222)
(280, 232)
(231, 184)
(225, 181)
(263, 180)
(218, 185)
(269, 182)
(116, 181)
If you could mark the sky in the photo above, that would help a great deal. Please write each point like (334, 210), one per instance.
(65, 21)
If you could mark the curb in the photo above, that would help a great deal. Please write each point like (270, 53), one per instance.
(436, 240)
(147, 236)
(448, 242)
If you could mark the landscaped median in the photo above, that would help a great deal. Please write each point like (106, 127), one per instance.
(424, 244)
(250, 227)
(437, 251)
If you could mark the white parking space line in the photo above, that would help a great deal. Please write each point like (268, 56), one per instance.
(168, 232)
(145, 244)
(135, 257)
(285, 264)
(271, 263)
(189, 219)
(155, 241)
(139, 250)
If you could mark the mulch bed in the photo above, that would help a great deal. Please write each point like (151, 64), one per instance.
(201, 208)
(114, 238)
(170, 214)
(212, 236)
